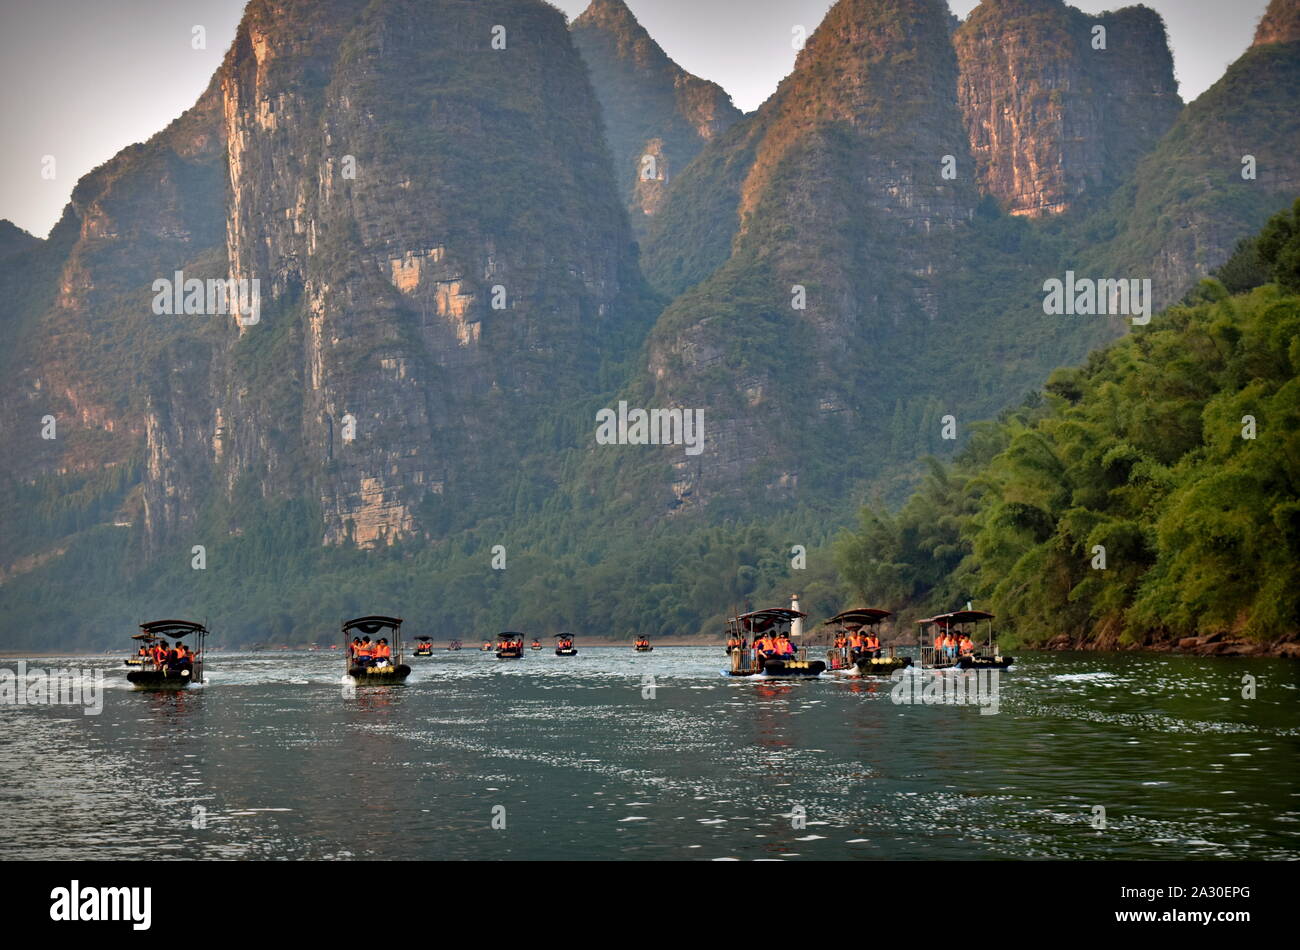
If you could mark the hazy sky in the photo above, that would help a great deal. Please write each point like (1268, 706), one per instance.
(81, 79)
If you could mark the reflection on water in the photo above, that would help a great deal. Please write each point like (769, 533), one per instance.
(276, 758)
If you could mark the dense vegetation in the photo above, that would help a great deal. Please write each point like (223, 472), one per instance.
(1151, 493)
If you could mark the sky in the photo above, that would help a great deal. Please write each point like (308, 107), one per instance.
(82, 79)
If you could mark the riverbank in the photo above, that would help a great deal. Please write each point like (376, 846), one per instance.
(1214, 644)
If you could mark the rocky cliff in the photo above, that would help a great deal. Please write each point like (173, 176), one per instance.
(657, 116)
(1059, 105)
(841, 218)
(423, 197)
(439, 218)
(1229, 162)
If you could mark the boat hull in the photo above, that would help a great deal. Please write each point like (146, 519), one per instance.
(882, 665)
(509, 654)
(985, 662)
(644, 649)
(156, 679)
(976, 663)
(366, 676)
(423, 653)
(786, 669)
(571, 651)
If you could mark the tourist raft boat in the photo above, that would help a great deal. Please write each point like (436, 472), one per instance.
(745, 661)
(642, 645)
(850, 624)
(384, 672)
(169, 677)
(564, 645)
(536, 644)
(510, 646)
(454, 645)
(986, 657)
(424, 647)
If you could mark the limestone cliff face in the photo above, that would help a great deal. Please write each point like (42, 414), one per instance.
(842, 216)
(92, 351)
(1052, 119)
(1229, 162)
(657, 115)
(441, 253)
(437, 221)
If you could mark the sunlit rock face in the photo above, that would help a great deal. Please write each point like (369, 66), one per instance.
(1059, 105)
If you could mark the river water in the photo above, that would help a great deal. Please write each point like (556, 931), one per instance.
(614, 754)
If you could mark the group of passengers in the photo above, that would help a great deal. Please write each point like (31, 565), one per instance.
(174, 661)
(364, 653)
(856, 645)
(774, 646)
(951, 645)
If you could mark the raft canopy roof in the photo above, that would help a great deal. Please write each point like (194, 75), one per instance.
(425, 639)
(761, 620)
(867, 616)
(175, 629)
(369, 625)
(959, 616)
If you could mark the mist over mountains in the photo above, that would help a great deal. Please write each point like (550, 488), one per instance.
(472, 226)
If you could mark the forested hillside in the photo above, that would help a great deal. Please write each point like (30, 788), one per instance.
(1151, 495)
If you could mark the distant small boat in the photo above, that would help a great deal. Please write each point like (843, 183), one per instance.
(385, 671)
(424, 647)
(169, 675)
(510, 645)
(536, 644)
(564, 645)
(934, 657)
(642, 645)
(486, 647)
(454, 645)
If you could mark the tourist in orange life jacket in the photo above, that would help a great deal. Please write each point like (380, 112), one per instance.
(366, 652)
(159, 653)
(784, 648)
(383, 653)
(765, 646)
(871, 643)
(354, 649)
(966, 646)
